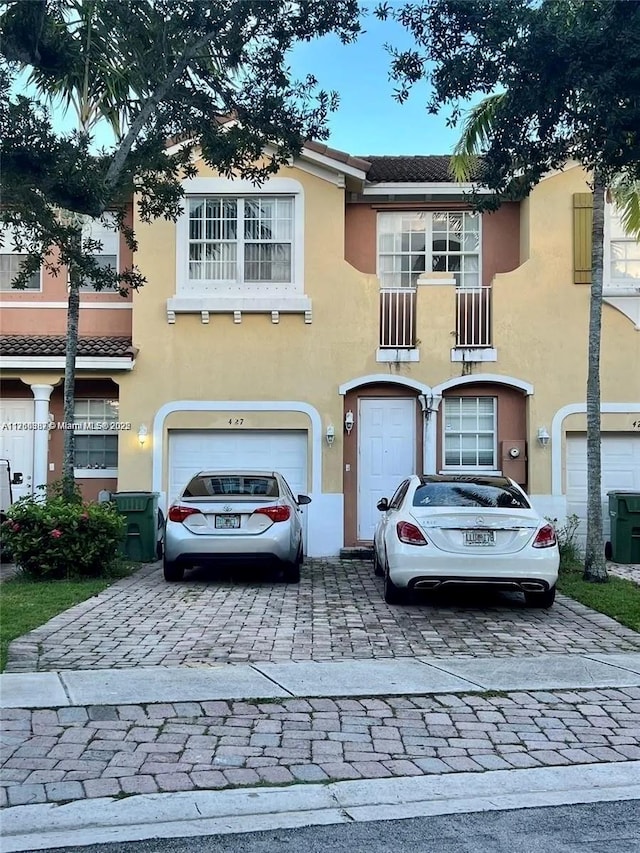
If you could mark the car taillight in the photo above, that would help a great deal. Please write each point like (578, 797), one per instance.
(545, 537)
(410, 534)
(179, 513)
(275, 513)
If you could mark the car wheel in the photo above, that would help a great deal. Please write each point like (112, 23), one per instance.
(392, 594)
(541, 600)
(377, 565)
(291, 572)
(172, 571)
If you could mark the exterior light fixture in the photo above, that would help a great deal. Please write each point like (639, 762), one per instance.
(543, 436)
(348, 422)
(142, 434)
(331, 434)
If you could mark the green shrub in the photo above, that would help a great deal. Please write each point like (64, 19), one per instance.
(569, 551)
(51, 537)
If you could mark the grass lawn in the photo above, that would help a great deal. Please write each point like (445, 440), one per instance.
(27, 604)
(618, 598)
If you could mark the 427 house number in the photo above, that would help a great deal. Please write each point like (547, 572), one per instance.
(236, 421)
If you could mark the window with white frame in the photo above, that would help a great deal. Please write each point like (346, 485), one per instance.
(410, 243)
(469, 432)
(102, 231)
(95, 441)
(11, 263)
(622, 253)
(243, 240)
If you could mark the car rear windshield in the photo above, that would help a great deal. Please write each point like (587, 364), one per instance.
(469, 494)
(210, 486)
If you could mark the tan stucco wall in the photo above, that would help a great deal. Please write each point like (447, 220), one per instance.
(540, 332)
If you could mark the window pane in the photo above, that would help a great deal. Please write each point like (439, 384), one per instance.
(469, 438)
(10, 267)
(96, 451)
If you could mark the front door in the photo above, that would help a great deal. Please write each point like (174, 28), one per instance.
(386, 454)
(16, 443)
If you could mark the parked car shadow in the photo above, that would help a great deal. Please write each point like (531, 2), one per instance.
(234, 572)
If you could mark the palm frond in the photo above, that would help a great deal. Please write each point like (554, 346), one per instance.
(626, 196)
(476, 134)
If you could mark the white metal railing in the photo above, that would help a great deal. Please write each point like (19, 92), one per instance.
(473, 317)
(398, 318)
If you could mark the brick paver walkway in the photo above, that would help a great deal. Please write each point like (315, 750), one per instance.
(336, 613)
(74, 753)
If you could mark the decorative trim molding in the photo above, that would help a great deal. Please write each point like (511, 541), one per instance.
(385, 356)
(476, 354)
(14, 362)
(99, 306)
(386, 379)
(495, 378)
(557, 430)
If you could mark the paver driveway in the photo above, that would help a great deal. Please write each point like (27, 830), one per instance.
(336, 613)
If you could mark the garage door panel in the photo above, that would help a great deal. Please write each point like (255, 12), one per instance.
(620, 457)
(191, 451)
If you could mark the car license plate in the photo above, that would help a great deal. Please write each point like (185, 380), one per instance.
(227, 522)
(479, 537)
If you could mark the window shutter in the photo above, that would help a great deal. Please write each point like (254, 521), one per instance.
(582, 222)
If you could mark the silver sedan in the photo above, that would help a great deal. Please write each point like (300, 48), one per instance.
(224, 515)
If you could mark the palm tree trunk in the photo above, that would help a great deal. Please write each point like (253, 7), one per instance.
(73, 314)
(595, 569)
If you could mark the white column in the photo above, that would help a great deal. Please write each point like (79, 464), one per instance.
(41, 396)
(431, 433)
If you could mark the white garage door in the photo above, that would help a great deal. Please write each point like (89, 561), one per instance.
(620, 470)
(191, 451)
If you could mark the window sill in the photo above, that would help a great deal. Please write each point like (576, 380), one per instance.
(239, 305)
(477, 354)
(95, 473)
(390, 355)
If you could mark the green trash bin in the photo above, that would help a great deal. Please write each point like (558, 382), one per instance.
(140, 510)
(624, 512)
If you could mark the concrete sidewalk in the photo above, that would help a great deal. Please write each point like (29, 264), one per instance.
(398, 677)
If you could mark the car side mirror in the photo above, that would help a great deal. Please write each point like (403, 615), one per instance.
(303, 499)
(383, 504)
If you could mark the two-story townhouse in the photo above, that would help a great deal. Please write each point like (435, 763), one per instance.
(352, 320)
(32, 356)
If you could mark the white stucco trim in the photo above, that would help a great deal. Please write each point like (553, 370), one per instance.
(477, 354)
(325, 534)
(386, 379)
(496, 378)
(57, 363)
(557, 429)
(386, 356)
(424, 188)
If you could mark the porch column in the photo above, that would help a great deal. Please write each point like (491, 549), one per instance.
(431, 432)
(41, 396)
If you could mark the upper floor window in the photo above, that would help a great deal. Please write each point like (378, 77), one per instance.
(410, 243)
(11, 262)
(470, 432)
(241, 240)
(102, 231)
(622, 253)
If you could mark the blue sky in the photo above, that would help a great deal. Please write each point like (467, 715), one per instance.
(369, 120)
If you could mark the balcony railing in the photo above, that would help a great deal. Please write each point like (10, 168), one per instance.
(398, 318)
(473, 317)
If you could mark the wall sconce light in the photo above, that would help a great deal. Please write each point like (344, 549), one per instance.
(543, 436)
(348, 422)
(331, 434)
(142, 434)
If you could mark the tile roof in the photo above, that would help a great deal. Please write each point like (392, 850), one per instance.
(431, 168)
(341, 156)
(49, 345)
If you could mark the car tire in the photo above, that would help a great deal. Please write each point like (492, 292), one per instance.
(172, 570)
(392, 594)
(291, 573)
(377, 565)
(541, 600)
(608, 550)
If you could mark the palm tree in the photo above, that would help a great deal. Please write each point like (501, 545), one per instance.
(476, 136)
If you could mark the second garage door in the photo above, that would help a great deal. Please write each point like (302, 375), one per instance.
(620, 470)
(191, 451)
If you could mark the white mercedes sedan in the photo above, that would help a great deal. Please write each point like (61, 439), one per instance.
(447, 530)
